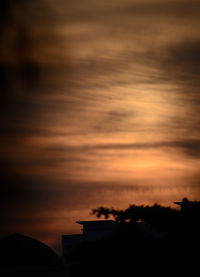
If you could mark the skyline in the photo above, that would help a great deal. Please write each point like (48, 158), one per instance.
(100, 106)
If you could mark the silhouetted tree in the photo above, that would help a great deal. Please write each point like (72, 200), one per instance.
(159, 217)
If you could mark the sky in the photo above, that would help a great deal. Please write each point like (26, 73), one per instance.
(100, 105)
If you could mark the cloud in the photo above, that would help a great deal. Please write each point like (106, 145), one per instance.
(189, 147)
(117, 9)
(93, 80)
(170, 8)
(181, 64)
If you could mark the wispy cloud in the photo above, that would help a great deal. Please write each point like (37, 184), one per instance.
(97, 99)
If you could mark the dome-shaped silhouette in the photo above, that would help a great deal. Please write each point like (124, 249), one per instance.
(20, 250)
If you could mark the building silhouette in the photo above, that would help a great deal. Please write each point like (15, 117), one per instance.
(92, 231)
(188, 206)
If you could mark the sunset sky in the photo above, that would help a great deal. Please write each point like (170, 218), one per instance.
(100, 105)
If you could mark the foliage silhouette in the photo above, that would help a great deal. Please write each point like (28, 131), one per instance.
(161, 218)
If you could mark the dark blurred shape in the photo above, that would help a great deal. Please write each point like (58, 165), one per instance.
(4, 8)
(17, 250)
(20, 75)
(19, 70)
